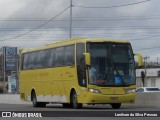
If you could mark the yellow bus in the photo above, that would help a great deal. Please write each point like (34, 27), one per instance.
(78, 71)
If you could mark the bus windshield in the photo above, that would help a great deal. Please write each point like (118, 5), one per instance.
(112, 64)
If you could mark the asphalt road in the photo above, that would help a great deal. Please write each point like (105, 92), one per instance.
(58, 107)
(100, 112)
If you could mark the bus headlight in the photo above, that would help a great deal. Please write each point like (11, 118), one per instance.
(130, 90)
(93, 90)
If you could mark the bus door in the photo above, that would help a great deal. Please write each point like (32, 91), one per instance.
(81, 69)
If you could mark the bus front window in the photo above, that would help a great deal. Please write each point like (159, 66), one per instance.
(111, 64)
(99, 69)
(122, 64)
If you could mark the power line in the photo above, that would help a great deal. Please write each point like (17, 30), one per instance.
(146, 37)
(77, 20)
(144, 16)
(38, 26)
(148, 48)
(77, 33)
(84, 28)
(81, 18)
(152, 15)
(84, 35)
(116, 6)
(99, 34)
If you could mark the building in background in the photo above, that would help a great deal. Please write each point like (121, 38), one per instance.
(8, 67)
(152, 78)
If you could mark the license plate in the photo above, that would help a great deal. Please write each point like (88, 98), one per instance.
(113, 98)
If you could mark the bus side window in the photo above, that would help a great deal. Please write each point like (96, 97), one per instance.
(81, 71)
(32, 60)
(25, 61)
(69, 55)
(49, 58)
(40, 59)
(59, 59)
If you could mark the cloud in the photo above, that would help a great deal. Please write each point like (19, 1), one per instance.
(35, 8)
(134, 10)
(8, 7)
(59, 30)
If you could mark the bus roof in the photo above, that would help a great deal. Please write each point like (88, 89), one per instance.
(71, 41)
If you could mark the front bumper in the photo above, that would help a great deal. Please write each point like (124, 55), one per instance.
(95, 98)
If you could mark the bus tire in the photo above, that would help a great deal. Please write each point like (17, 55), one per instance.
(35, 103)
(74, 101)
(116, 105)
(34, 100)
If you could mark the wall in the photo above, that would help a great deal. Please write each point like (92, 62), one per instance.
(150, 82)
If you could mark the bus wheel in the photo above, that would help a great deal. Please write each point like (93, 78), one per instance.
(34, 100)
(116, 105)
(35, 103)
(74, 101)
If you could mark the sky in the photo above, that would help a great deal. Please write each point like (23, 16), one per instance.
(33, 23)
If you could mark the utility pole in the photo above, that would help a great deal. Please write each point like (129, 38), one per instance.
(71, 5)
(145, 61)
(4, 68)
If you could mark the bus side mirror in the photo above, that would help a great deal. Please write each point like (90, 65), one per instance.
(140, 60)
(87, 58)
